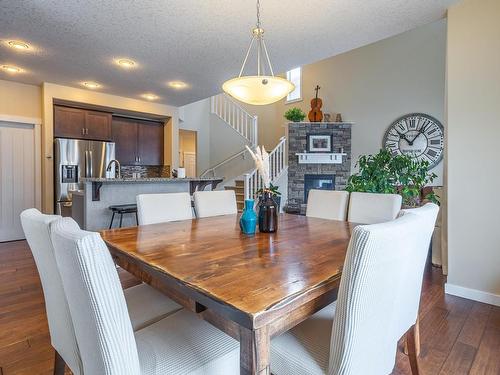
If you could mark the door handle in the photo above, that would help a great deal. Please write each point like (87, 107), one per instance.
(87, 164)
(91, 162)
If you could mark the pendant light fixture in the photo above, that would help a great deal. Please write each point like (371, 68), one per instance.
(258, 89)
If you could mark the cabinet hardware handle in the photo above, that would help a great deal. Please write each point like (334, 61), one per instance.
(83, 131)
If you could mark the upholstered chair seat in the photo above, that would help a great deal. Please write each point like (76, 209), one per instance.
(180, 343)
(377, 304)
(145, 304)
(373, 208)
(159, 208)
(215, 203)
(327, 204)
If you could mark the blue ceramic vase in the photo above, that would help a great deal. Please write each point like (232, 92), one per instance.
(248, 220)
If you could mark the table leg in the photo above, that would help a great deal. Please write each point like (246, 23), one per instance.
(254, 351)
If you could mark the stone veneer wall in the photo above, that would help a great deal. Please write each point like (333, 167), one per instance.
(297, 138)
(145, 171)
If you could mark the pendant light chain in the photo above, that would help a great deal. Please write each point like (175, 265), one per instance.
(258, 14)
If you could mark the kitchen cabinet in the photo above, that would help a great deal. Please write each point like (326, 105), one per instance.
(80, 123)
(150, 143)
(137, 142)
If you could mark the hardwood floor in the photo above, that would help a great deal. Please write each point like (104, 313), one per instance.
(458, 336)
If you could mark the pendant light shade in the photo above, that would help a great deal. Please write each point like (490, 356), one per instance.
(258, 89)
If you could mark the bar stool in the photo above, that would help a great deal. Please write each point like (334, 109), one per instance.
(123, 209)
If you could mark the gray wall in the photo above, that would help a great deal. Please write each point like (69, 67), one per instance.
(375, 84)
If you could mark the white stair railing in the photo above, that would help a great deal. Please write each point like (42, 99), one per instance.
(224, 162)
(235, 116)
(277, 164)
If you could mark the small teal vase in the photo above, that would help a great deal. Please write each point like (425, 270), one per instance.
(248, 220)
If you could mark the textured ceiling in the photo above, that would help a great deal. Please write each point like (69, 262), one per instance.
(201, 42)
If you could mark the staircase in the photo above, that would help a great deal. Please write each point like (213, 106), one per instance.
(236, 117)
(239, 190)
(246, 125)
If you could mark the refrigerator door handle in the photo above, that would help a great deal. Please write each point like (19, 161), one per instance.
(87, 163)
(91, 162)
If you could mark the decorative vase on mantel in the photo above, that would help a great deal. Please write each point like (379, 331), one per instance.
(248, 220)
(268, 213)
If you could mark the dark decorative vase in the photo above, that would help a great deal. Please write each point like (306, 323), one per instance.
(268, 214)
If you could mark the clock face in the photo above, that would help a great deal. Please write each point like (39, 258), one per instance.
(417, 135)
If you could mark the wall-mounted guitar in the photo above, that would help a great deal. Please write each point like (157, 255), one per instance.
(315, 114)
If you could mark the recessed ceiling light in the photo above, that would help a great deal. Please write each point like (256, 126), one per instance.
(177, 84)
(17, 44)
(91, 85)
(149, 96)
(11, 69)
(126, 63)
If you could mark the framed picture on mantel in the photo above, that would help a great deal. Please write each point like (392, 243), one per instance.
(319, 143)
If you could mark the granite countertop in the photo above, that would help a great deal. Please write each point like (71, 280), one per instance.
(147, 179)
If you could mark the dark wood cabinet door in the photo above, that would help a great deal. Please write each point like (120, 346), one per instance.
(124, 134)
(69, 122)
(98, 125)
(150, 143)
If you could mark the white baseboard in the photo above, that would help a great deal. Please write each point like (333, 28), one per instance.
(473, 294)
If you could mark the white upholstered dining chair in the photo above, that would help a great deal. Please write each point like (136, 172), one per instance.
(373, 208)
(145, 304)
(327, 204)
(159, 208)
(214, 203)
(377, 304)
(178, 344)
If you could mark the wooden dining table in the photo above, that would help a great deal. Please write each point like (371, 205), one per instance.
(252, 287)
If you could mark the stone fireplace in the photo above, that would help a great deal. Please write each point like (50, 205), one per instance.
(329, 170)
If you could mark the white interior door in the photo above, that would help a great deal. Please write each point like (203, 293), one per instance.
(190, 163)
(17, 176)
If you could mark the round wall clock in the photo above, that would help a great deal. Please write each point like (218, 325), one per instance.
(417, 135)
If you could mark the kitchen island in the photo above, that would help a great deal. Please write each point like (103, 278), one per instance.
(91, 205)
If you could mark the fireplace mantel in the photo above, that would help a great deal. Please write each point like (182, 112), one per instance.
(320, 158)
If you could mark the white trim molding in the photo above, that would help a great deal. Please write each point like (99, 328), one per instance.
(473, 294)
(21, 119)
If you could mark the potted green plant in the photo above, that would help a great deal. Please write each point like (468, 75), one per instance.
(393, 174)
(295, 115)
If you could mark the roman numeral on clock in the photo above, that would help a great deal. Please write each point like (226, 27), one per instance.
(431, 153)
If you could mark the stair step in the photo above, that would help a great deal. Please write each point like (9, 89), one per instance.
(239, 183)
(237, 189)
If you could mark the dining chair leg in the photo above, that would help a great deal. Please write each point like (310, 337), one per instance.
(411, 339)
(417, 339)
(59, 364)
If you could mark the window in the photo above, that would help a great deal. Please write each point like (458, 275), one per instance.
(295, 76)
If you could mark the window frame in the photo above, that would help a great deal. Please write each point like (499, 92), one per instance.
(300, 98)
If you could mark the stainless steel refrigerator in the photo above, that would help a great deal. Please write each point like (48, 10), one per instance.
(74, 159)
